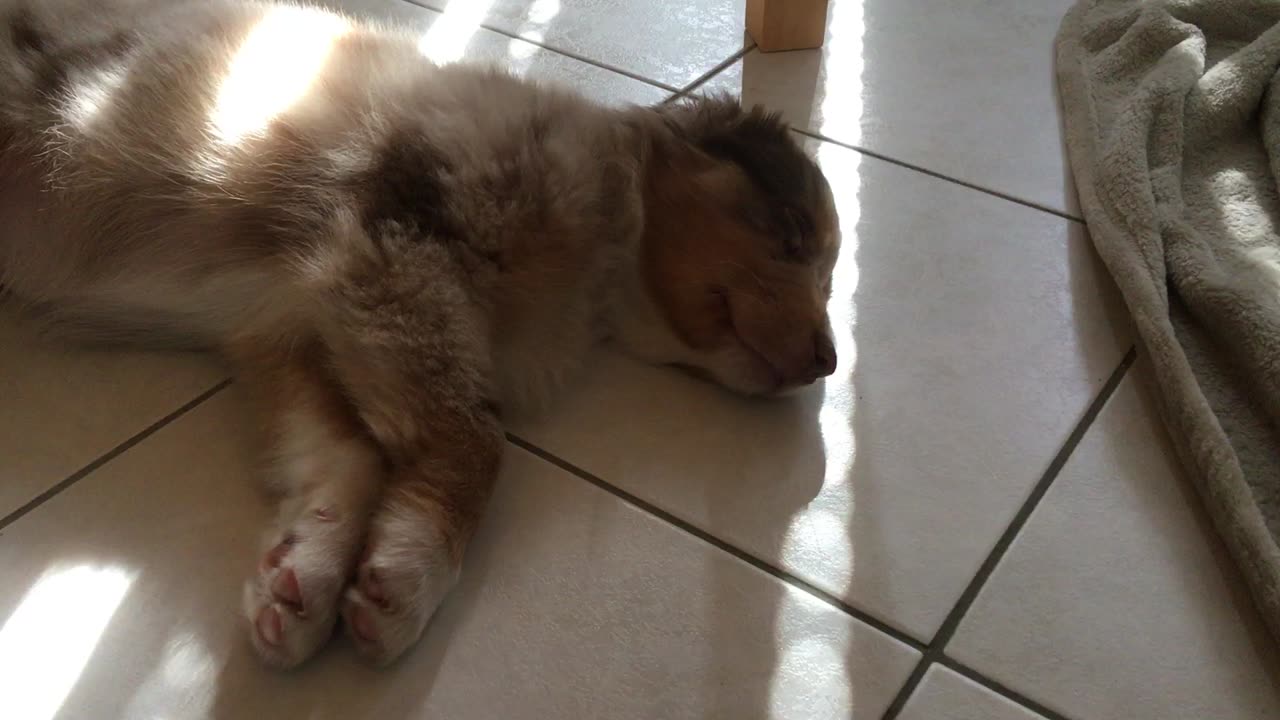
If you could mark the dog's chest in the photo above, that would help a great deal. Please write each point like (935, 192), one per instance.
(542, 342)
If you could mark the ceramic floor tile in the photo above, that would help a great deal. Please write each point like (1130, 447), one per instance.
(673, 43)
(973, 332)
(944, 695)
(964, 90)
(1117, 601)
(64, 407)
(445, 39)
(119, 597)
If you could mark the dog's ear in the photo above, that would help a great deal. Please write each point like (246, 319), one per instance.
(757, 142)
(754, 139)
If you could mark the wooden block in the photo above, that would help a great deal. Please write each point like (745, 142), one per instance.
(778, 25)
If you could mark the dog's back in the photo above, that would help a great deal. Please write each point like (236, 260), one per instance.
(161, 164)
(122, 207)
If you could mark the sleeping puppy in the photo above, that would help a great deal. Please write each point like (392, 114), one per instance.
(391, 253)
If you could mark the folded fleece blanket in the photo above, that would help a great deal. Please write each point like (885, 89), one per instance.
(1172, 112)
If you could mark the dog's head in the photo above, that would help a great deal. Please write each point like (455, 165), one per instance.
(740, 241)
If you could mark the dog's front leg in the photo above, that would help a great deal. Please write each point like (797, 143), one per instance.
(328, 474)
(413, 358)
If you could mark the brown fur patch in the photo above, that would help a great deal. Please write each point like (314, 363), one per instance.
(23, 32)
(407, 192)
(53, 66)
(407, 186)
(762, 146)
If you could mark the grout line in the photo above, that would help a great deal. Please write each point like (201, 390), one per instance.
(111, 454)
(998, 688)
(700, 80)
(559, 51)
(677, 93)
(934, 651)
(757, 563)
(940, 176)
(719, 67)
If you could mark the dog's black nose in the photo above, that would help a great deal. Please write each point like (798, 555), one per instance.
(824, 355)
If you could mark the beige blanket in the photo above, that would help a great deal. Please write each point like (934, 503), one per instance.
(1173, 130)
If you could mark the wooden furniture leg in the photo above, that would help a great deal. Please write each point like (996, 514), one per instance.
(778, 25)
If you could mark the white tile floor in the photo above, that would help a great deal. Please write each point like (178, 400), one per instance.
(977, 518)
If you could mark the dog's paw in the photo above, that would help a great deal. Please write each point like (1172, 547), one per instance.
(291, 601)
(406, 572)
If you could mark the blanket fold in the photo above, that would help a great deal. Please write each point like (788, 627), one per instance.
(1172, 121)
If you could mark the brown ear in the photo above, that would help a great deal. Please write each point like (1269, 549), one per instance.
(756, 141)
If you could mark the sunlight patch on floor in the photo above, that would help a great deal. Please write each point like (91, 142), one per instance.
(46, 642)
(842, 104)
(182, 686)
(817, 536)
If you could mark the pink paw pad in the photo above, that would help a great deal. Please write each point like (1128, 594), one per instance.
(286, 590)
(373, 590)
(269, 626)
(362, 624)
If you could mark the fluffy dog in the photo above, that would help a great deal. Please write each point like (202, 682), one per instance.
(390, 253)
